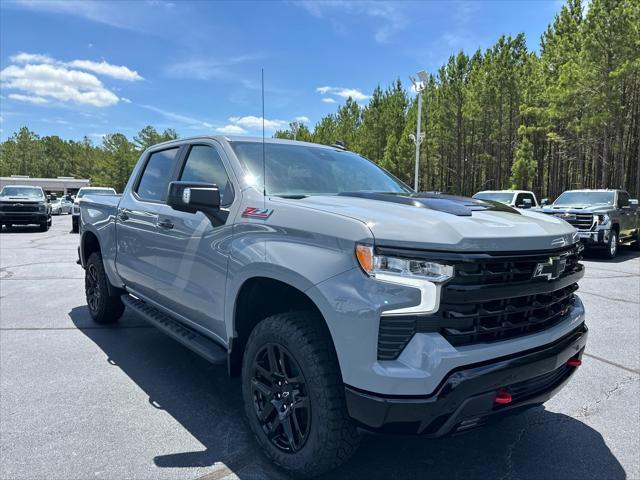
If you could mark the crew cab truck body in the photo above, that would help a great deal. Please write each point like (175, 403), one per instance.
(341, 298)
(603, 218)
(24, 205)
(513, 198)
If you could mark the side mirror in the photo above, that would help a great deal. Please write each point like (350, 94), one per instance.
(545, 202)
(193, 197)
(526, 203)
(633, 204)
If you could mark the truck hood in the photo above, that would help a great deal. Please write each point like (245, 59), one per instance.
(484, 227)
(578, 208)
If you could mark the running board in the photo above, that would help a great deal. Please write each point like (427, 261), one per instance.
(193, 340)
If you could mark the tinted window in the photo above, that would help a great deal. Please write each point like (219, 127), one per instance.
(157, 174)
(306, 170)
(525, 196)
(205, 165)
(623, 199)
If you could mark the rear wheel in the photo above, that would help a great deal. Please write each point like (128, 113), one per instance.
(103, 306)
(294, 395)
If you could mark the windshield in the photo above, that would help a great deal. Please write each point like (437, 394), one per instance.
(96, 191)
(306, 170)
(27, 192)
(585, 198)
(502, 197)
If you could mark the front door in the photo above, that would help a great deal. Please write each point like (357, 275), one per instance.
(194, 247)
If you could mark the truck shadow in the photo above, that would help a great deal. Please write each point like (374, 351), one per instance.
(208, 404)
(625, 253)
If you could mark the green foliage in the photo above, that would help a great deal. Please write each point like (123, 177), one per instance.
(524, 166)
(507, 117)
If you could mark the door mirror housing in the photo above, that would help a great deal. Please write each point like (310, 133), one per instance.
(545, 202)
(194, 197)
(526, 203)
(633, 203)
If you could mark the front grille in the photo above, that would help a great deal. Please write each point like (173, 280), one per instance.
(580, 221)
(491, 298)
(19, 209)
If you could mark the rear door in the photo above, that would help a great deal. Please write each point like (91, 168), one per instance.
(137, 228)
(192, 269)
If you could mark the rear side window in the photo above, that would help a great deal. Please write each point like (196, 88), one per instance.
(205, 165)
(156, 175)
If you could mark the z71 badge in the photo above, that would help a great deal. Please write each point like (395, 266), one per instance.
(253, 212)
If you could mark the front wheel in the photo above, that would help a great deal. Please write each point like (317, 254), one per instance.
(103, 306)
(612, 246)
(44, 226)
(294, 396)
(74, 225)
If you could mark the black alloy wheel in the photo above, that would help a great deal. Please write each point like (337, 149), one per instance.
(280, 398)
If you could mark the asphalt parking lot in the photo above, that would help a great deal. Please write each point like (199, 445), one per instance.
(82, 401)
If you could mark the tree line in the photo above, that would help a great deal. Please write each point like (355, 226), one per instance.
(567, 116)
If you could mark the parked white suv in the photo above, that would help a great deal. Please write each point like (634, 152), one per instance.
(513, 198)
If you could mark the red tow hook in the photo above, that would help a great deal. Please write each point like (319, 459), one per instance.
(574, 362)
(503, 397)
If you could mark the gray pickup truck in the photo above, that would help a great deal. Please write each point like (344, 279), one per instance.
(341, 298)
(603, 218)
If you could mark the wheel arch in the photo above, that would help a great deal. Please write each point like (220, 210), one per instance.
(257, 298)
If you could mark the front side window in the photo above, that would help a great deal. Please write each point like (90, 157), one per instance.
(308, 170)
(205, 165)
(156, 176)
(623, 199)
(525, 196)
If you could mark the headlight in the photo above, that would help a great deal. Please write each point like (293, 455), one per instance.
(603, 218)
(376, 265)
(42, 207)
(423, 275)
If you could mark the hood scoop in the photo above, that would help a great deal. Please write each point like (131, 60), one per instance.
(452, 204)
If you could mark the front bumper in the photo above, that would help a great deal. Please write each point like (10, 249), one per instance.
(596, 238)
(466, 396)
(23, 218)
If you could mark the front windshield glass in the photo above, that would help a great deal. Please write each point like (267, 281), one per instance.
(306, 170)
(495, 196)
(96, 191)
(585, 198)
(26, 192)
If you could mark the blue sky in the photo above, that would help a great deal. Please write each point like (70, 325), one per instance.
(71, 68)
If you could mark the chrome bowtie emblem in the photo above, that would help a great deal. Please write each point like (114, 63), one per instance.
(551, 269)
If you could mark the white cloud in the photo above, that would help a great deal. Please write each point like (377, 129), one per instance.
(354, 93)
(58, 83)
(328, 100)
(28, 99)
(252, 122)
(231, 130)
(125, 100)
(303, 119)
(119, 72)
(206, 68)
(177, 117)
(41, 78)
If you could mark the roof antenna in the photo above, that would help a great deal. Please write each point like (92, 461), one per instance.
(264, 164)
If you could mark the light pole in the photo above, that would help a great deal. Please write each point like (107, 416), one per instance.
(419, 136)
(295, 126)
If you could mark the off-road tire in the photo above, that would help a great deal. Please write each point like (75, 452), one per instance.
(611, 248)
(105, 307)
(332, 437)
(44, 226)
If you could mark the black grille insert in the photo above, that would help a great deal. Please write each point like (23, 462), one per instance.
(491, 298)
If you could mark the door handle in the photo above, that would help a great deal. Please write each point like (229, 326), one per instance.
(166, 224)
(123, 215)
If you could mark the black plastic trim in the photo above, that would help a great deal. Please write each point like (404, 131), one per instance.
(467, 393)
